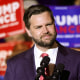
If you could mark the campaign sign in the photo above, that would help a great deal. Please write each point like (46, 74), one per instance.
(67, 21)
(5, 50)
(11, 17)
(9, 50)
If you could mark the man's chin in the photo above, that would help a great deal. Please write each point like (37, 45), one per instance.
(46, 44)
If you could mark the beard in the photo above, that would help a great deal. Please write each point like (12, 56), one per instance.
(42, 43)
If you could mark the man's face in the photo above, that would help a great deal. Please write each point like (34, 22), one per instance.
(42, 29)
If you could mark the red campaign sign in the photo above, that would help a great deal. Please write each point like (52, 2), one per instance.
(11, 49)
(11, 17)
(5, 50)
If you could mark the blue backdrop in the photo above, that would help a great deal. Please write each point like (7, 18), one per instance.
(67, 21)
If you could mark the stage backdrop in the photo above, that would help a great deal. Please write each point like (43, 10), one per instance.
(11, 17)
(67, 21)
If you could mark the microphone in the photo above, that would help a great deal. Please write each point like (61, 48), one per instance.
(45, 61)
(41, 70)
(57, 72)
(65, 75)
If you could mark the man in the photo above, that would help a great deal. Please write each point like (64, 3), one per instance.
(40, 26)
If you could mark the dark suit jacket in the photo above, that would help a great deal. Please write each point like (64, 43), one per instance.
(22, 66)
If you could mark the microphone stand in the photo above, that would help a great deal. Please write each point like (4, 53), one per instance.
(40, 71)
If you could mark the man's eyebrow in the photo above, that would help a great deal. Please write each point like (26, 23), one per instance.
(50, 22)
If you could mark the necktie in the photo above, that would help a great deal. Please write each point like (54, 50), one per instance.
(43, 55)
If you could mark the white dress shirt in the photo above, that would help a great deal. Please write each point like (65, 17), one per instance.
(51, 52)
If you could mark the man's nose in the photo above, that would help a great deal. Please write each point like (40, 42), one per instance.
(45, 29)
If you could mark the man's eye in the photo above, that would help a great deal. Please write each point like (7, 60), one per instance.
(38, 27)
(48, 24)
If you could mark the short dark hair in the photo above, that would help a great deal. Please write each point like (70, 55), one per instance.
(35, 9)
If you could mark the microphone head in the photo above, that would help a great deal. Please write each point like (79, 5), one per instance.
(40, 70)
(60, 67)
(45, 61)
(58, 71)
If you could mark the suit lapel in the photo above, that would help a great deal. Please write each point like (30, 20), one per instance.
(62, 57)
(31, 66)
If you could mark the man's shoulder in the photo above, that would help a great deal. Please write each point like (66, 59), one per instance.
(68, 51)
(73, 53)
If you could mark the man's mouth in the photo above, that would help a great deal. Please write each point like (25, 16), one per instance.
(46, 36)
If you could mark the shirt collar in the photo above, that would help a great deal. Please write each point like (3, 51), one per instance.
(38, 52)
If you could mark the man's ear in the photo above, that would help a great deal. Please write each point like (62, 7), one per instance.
(28, 32)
